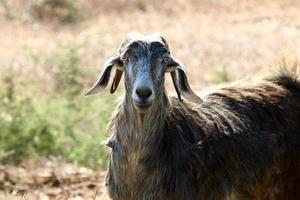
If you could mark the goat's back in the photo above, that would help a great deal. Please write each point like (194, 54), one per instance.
(253, 130)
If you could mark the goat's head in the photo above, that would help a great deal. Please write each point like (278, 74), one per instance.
(145, 60)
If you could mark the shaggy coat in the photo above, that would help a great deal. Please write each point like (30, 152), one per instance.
(242, 142)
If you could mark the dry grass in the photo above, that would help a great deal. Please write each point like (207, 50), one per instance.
(206, 36)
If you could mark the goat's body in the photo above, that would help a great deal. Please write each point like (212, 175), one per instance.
(242, 142)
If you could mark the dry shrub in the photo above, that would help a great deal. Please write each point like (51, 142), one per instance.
(62, 10)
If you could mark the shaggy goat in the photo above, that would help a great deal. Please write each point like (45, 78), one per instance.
(241, 141)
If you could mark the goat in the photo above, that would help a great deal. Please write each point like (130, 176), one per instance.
(241, 141)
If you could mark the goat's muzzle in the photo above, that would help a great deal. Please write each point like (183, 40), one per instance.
(143, 98)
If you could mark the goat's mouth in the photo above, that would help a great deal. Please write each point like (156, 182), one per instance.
(142, 107)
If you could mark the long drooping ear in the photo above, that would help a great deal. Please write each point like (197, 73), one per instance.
(105, 76)
(180, 81)
(117, 78)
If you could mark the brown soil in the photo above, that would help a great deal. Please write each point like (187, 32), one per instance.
(50, 179)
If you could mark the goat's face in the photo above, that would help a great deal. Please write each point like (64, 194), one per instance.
(144, 60)
(145, 63)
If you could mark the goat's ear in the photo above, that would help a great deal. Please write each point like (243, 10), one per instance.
(180, 81)
(105, 76)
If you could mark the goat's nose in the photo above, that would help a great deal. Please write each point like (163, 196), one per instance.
(143, 92)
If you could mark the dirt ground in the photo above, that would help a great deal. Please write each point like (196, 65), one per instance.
(51, 179)
(242, 36)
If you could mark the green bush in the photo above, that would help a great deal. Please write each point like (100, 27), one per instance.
(24, 132)
(68, 65)
(59, 123)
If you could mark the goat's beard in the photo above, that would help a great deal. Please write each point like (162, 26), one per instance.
(143, 111)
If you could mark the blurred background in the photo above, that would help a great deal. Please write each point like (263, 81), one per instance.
(51, 50)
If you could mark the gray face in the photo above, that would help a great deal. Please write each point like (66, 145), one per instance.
(145, 64)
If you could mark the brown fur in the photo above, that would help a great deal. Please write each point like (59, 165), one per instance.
(242, 142)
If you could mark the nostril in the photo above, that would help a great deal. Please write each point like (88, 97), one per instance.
(143, 92)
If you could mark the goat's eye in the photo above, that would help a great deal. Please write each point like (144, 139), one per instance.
(124, 59)
(166, 59)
